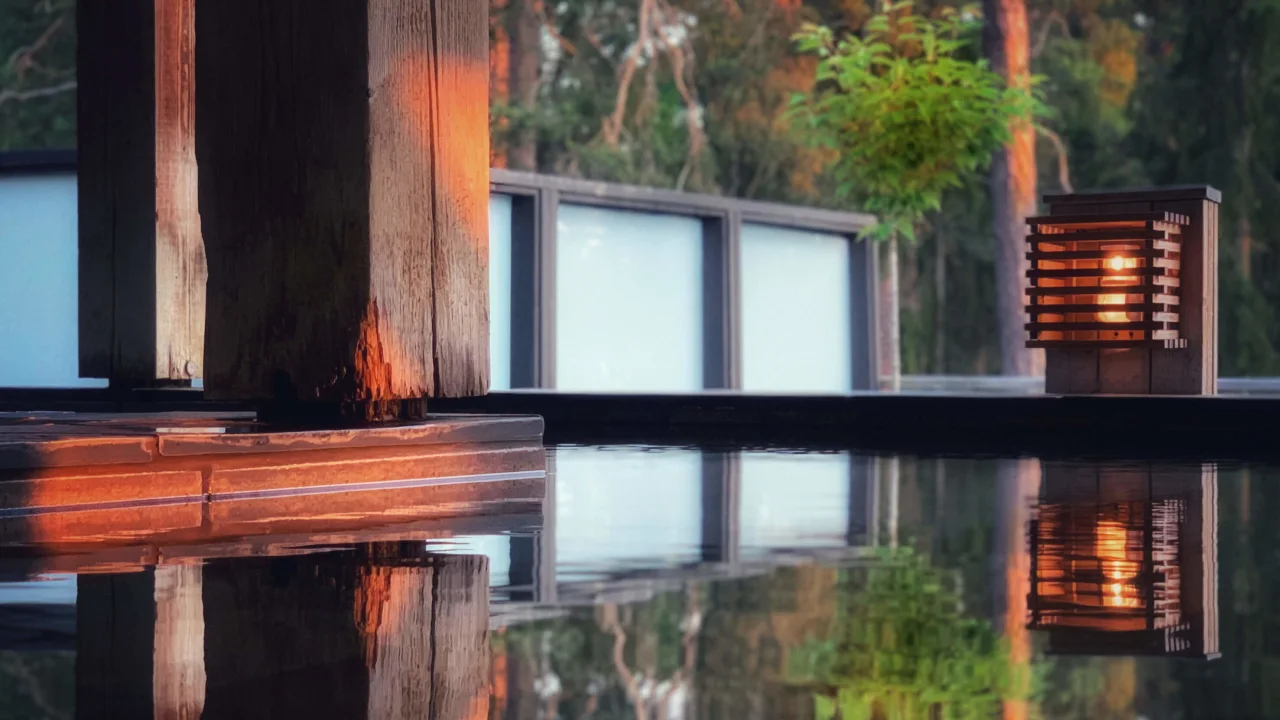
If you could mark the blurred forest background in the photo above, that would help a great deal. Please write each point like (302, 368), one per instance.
(693, 94)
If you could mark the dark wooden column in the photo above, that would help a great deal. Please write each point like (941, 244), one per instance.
(142, 267)
(343, 157)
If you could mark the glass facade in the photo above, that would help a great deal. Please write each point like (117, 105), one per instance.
(499, 292)
(628, 301)
(38, 297)
(796, 315)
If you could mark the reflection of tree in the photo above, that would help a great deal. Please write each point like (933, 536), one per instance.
(617, 662)
(36, 684)
(902, 648)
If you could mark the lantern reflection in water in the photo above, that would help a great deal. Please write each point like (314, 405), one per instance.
(1123, 560)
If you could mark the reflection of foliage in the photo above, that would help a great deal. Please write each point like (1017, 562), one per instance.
(902, 648)
(37, 684)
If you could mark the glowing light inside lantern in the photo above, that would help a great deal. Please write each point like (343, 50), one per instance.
(1116, 262)
(1111, 543)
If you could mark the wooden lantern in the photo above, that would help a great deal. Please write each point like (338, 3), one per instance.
(1124, 561)
(1123, 291)
(1106, 280)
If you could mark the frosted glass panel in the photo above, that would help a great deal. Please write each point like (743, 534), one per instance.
(628, 301)
(616, 506)
(795, 311)
(499, 292)
(794, 501)
(38, 296)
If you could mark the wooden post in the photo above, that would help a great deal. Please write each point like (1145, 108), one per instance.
(343, 158)
(142, 266)
(1143, 371)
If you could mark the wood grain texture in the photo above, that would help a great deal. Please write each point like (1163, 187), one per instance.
(141, 260)
(180, 271)
(343, 153)
(461, 193)
(178, 680)
(395, 606)
(460, 659)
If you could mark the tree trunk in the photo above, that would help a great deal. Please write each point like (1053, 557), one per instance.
(525, 35)
(895, 318)
(1013, 187)
(940, 304)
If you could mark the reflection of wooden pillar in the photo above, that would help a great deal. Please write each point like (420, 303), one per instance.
(142, 268)
(178, 683)
(281, 639)
(397, 634)
(426, 638)
(140, 644)
(343, 157)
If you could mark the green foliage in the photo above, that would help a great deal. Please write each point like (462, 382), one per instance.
(37, 74)
(909, 115)
(903, 648)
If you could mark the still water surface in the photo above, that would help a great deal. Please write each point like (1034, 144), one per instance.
(679, 583)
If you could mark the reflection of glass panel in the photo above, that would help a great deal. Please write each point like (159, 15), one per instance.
(793, 501)
(628, 301)
(795, 311)
(496, 547)
(499, 292)
(38, 297)
(615, 507)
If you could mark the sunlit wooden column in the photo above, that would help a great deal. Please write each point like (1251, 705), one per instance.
(140, 644)
(141, 261)
(343, 159)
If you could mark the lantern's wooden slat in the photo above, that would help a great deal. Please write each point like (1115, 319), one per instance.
(1158, 298)
(1102, 221)
(1097, 307)
(1135, 234)
(1059, 255)
(1094, 290)
(1099, 273)
(1095, 325)
(1161, 344)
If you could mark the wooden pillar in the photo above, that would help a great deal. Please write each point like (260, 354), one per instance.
(141, 266)
(343, 159)
(140, 644)
(1143, 371)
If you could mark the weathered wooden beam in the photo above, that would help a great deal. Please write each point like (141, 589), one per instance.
(343, 160)
(142, 267)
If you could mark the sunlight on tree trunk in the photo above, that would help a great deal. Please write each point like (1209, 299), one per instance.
(524, 33)
(1013, 186)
